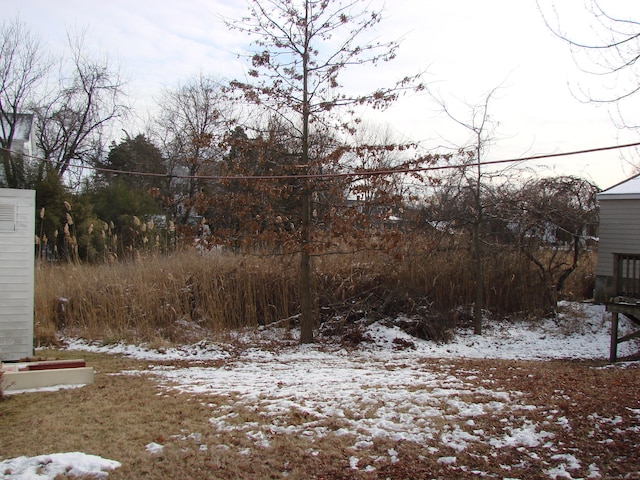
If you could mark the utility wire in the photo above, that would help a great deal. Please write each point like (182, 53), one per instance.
(357, 173)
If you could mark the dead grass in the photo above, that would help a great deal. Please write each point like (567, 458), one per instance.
(190, 296)
(175, 299)
(121, 413)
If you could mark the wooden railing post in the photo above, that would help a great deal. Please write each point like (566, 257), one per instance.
(617, 276)
(613, 350)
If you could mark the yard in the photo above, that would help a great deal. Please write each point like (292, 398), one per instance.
(518, 402)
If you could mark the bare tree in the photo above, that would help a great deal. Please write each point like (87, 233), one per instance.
(303, 49)
(606, 45)
(467, 184)
(70, 121)
(193, 120)
(374, 191)
(23, 66)
(552, 220)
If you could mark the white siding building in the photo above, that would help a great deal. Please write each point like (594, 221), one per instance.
(17, 234)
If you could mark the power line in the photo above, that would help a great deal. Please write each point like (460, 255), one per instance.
(359, 173)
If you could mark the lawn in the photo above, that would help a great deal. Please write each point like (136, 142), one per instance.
(258, 405)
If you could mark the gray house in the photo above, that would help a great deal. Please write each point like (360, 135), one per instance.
(619, 232)
(618, 267)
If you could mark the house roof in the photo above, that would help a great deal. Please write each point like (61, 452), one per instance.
(625, 190)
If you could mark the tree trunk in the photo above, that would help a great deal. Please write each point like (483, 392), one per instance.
(306, 286)
(305, 283)
(479, 277)
(477, 245)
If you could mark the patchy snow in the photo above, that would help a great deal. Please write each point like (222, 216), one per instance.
(375, 391)
(154, 448)
(201, 351)
(581, 331)
(447, 460)
(53, 388)
(49, 466)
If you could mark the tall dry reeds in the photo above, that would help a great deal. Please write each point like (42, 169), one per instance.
(173, 298)
(188, 295)
(425, 278)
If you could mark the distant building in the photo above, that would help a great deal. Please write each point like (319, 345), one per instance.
(23, 139)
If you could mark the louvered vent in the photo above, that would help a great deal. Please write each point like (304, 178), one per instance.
(7, 218)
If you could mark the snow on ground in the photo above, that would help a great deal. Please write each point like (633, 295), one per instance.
(374, 391)
(581, 331)
(198, 351)
(53, 388)
(45, 467)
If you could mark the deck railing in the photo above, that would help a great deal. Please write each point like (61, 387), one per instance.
(626, 274)
(626, 300)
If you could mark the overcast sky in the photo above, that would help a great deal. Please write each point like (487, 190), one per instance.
(466, 47)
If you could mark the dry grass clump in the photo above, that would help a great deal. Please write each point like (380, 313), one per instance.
(581, 284)
(432, 289)
(189, 295)
(177, 298)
